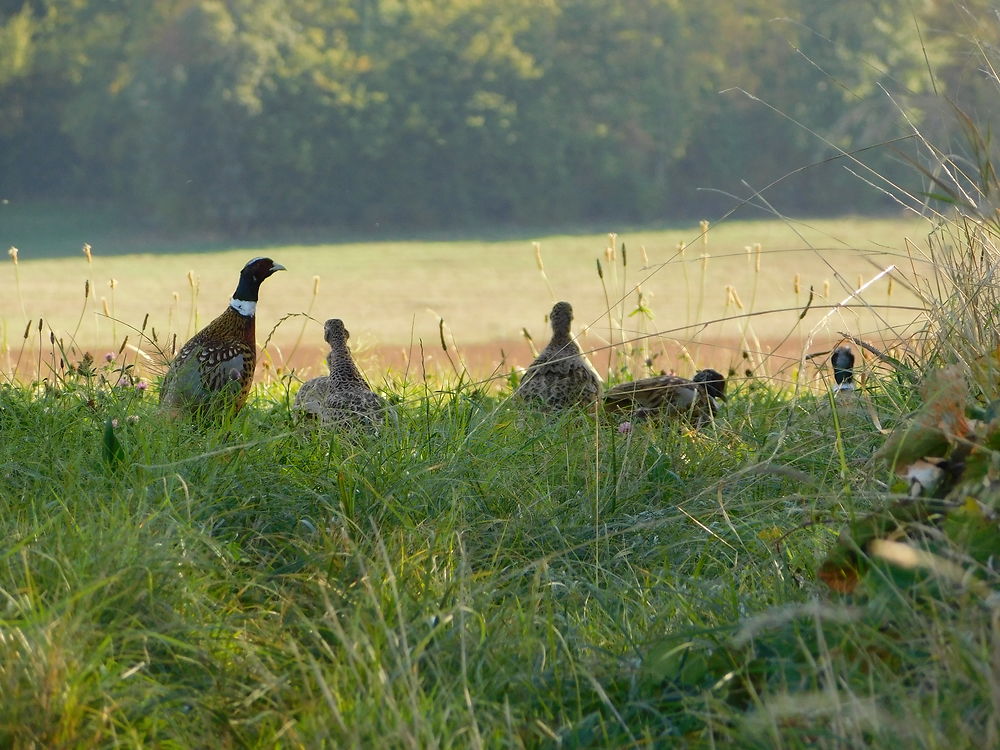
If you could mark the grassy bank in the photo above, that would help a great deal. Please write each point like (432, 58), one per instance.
(479, 575)
(475, 575)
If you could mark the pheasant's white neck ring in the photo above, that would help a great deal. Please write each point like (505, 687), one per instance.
(844, 387)
(246, 308)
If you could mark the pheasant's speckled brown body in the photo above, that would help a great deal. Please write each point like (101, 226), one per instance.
(669, 396)
(213, 372)
(342, 398)
(560, 377)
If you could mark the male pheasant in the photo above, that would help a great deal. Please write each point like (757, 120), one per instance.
(853, 409)
(213, 372)
(342, 398)
(560, 377)
(669, 396)
(842, 360)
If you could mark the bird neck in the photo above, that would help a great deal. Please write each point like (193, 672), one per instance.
(339, 351)
(341, 364)
(246, 308)
(844, 379)
(247, 290)
(560, 338)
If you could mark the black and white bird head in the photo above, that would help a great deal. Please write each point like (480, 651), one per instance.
(251, 277)
(842, 360)
(713, 382)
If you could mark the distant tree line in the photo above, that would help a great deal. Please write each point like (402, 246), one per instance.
(234, 114)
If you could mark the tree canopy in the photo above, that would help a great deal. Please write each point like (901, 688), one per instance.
(234, 114)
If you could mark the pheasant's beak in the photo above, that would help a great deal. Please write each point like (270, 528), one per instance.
(278, 267)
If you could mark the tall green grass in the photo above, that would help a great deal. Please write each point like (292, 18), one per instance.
(481, 575)
(475, 575)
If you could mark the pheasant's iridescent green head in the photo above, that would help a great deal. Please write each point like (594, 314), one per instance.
(251, 277)
(334, 332)
(560, 318)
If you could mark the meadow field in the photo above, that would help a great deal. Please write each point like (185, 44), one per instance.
(477, 574)
(810, 566)
(683, 297)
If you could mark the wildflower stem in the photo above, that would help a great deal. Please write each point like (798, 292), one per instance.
(13, 253)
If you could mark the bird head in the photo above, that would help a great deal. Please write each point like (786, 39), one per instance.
(842, 360)
(334, 332)
(560, 318)
(251, 277)
(713, 381)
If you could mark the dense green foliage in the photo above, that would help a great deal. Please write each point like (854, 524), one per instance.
(383, 113)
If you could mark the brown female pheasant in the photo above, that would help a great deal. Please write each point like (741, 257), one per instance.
(213, 372)
(560, 377)
(669, 396)
(343, 398)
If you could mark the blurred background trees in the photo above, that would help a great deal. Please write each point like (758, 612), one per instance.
(239, 114)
